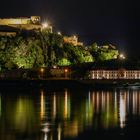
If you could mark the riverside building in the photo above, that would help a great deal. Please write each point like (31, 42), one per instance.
(115, 69)
(115, 74)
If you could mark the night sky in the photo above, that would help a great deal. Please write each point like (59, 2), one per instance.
(102, 21)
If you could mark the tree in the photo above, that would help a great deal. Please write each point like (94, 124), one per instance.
(103, 53)
(64, 62)
(44, 48)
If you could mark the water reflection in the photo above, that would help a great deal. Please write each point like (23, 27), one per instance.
(42, 105)
(122, 109)
(106, 109)
(65, 114)
(0, 105)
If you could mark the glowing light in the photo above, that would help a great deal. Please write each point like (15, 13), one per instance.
(54, 67)
(0, 105)
(66, 104)
(46, 129)
(45, 25)
(122, 56)
(74, 36)
(41, 70)
(59, 132)
(122, 111)
(42, 73)
(54, 106)
(59, 33)
(66, 70)
(42, 107)
(45, 138)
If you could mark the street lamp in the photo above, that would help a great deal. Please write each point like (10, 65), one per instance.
(66, 72)
(121, 56)
(42, 71)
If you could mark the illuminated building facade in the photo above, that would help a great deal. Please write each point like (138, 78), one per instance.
(20, 21)
(9, 26)
(115, 74)
(73, 40)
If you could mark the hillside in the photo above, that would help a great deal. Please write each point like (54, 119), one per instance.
(32, 49)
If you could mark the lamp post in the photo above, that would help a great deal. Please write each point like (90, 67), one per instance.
(42, 72)
(66, 72)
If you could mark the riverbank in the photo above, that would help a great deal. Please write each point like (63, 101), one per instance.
(37, 83)
(70, 83)
(111, 82)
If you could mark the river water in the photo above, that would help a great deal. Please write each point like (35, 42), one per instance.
(69, 114)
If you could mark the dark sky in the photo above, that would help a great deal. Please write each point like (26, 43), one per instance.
(102, 21)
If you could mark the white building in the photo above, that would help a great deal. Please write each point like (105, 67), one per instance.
(115, 74)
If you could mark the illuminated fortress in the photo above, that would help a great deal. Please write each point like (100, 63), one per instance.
(9, 26)
(20, 21)
(73, 40)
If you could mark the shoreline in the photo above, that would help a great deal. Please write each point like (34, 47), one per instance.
(67, 82)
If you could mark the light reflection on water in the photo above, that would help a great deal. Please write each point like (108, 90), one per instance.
(65, 114)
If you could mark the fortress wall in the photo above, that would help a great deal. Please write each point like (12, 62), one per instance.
(7, 34)
(14, 21)
(20, 21)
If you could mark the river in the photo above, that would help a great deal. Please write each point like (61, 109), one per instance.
(69, 114)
